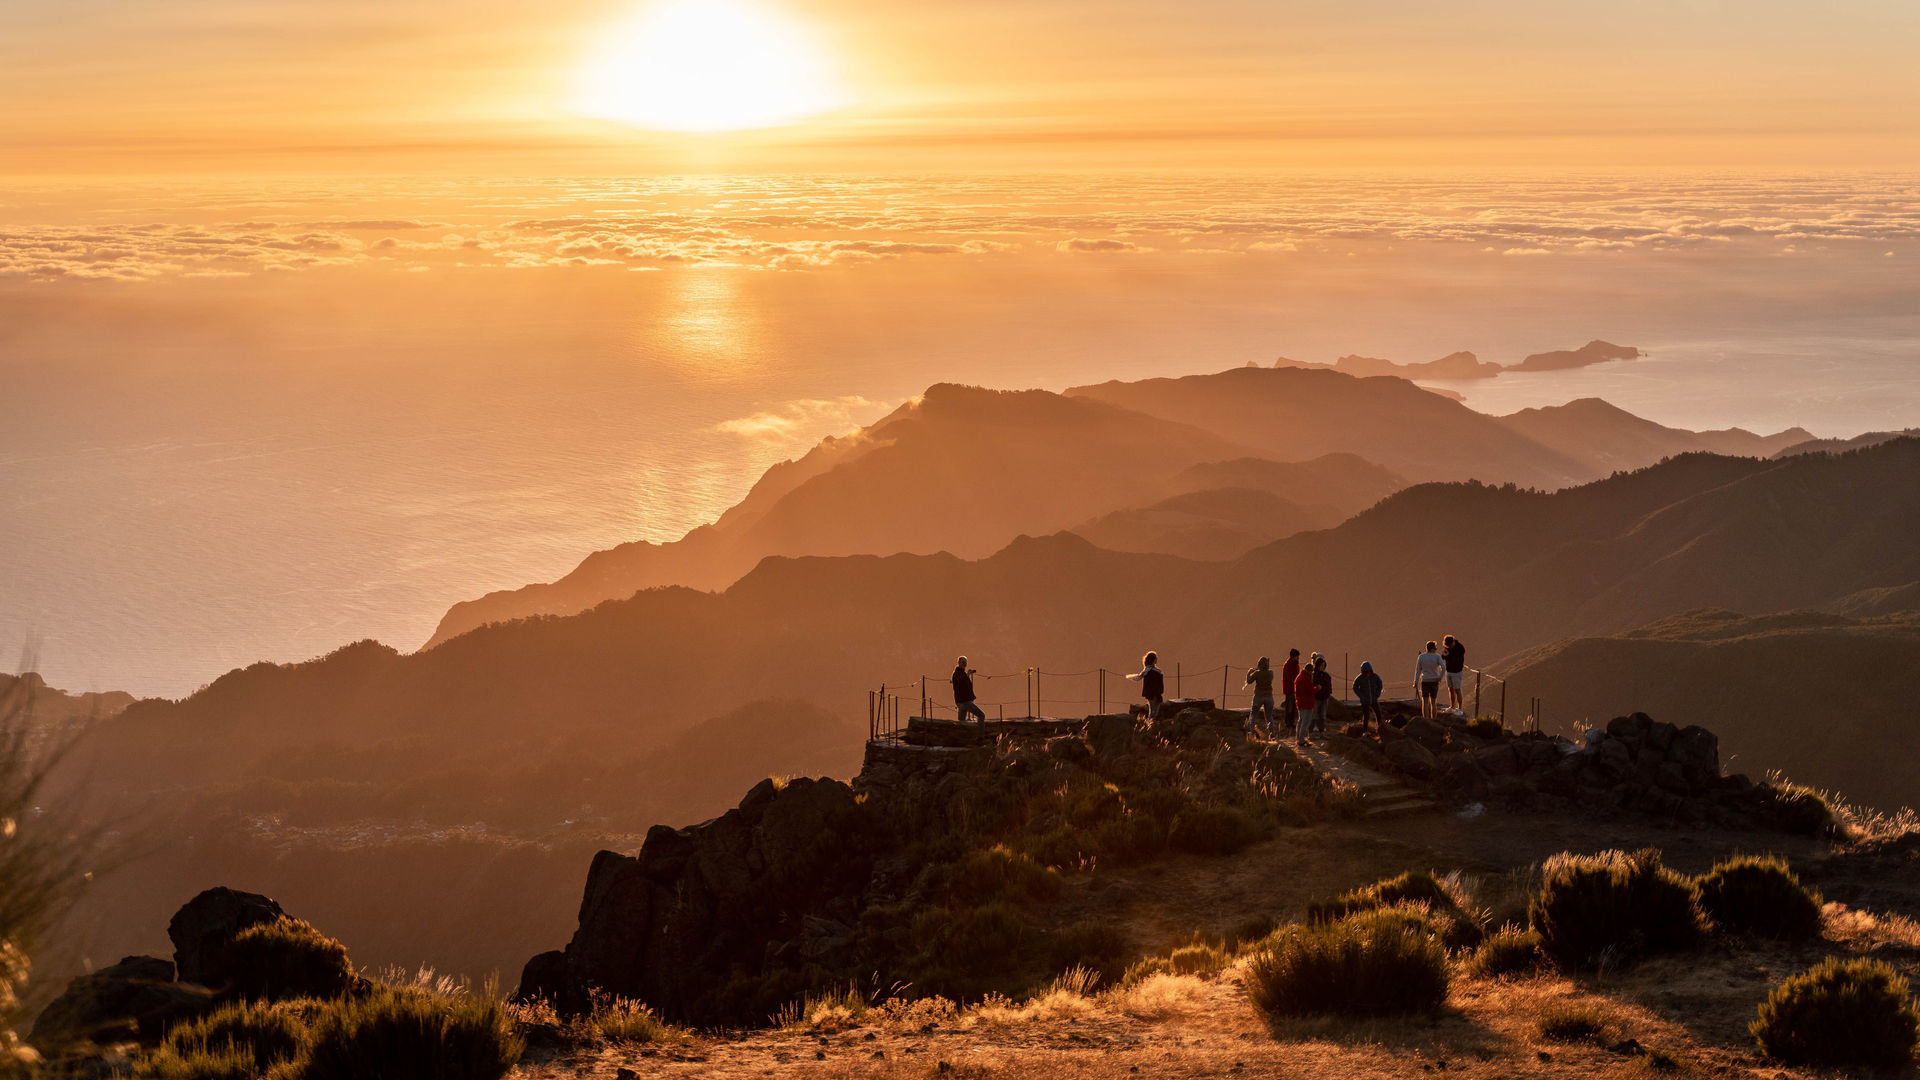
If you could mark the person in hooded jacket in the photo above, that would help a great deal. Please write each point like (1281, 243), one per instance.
(1303, 695)
(1367, 687)
(1322, 691)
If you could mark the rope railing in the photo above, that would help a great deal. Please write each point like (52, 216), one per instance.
(884, 706)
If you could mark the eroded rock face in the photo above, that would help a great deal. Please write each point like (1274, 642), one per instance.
(672, 923)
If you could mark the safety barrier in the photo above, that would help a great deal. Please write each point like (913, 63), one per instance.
(885, 705)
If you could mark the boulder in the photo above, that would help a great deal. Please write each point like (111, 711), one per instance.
(136, 998)
(1412, 757)
(543, 978)
(1499, 759)
(1109, 735)
(1697, 751)
(1629, 727)
(1069, 749)
(1429, 732)
(1456, 772)
(202, 927)
(1660, 736)
(1612, 759)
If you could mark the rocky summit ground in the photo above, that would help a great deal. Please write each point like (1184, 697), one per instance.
(1685, 1015)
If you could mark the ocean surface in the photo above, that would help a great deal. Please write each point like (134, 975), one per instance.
(257, 423)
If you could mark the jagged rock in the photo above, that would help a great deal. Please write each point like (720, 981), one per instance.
(203, 925)
(136, 998)
(1430, 733)
(822, 938)
(1497, 760)
(1697, 751)
(1109, 735)
(670, 925)
(1660, 736)
(1613, 760)
(1629, 727)
(1456, 772)
(1413, 757)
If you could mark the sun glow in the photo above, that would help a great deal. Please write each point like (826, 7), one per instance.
(704, 66)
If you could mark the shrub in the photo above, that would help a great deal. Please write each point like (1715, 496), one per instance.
(222, 1062)
(1760, 896)
(1379, 962)
(1415, 888)
(1098, 946)
(1852, 1012)
(1801, 809)
(286, 958)
(406, 1032)
(269, 1033)
(996, 873)
(1571, 1023)
(1510, 951)
(621, 1020)
(1212, 830)
(1600, 911)
(1486, 727)
(1198, 957)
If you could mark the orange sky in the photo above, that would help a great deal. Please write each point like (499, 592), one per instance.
(223, 86)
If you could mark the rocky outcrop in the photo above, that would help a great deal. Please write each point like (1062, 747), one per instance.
(204, 925)
(1635, 764)
(136, 999)
(670, 924)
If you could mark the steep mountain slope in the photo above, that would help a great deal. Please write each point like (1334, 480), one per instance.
(1823, 697)
(1295, 413)
(1609, 438)
(962, 470)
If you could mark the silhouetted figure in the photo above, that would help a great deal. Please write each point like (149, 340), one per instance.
(1322, 691)
(1287, 676)
(963, 696)
(1456, 656)
(1427, 671)
(1153, 685)
(1261, 679)
(1303, 697)
(1367, 687)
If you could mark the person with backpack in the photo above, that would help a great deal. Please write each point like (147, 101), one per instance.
(1427, 670)
(1288, 674)
(1322, 692)
(1367, 687)
(1303, 698)
(1455, 655)
(1260, 677)
(1153, 685)
(963, 696)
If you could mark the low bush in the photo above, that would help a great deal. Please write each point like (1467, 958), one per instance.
(997, 873)
(1760, 896)
(1098, 946)
(1571, 1023)
(222, 1062)
(406, 1032)
(285, 958)
(1415, 888)
(1198, 957)
(1841, 1013)
(1601, 911)
(1510, 951)
(620, 1020)
(1486, 727)
(268, 1033)
(1801, 809)
(1383, 962)
(1212, 830)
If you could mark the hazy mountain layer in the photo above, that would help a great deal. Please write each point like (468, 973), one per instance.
(1825, 698)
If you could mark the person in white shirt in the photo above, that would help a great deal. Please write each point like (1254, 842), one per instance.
(1428, 670)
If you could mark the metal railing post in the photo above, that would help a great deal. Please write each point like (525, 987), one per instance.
(1477, 675)
(1503, 703)
(1177, 691)
(1223, 684)
(1103, 691)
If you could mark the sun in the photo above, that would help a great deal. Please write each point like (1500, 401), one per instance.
(706, 66)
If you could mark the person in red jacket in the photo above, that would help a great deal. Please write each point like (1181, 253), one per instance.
(1289, 705)
(1303, 695)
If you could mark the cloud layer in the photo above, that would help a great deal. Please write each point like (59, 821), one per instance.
(810, 225)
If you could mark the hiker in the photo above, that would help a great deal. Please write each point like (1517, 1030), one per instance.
(1456, 657)
(1287, 676)
(1153, 685)
(1303, 698)
(1426, 674)
(1261, 679)
(963, 697)
(1322, 691)
(1367, 687)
